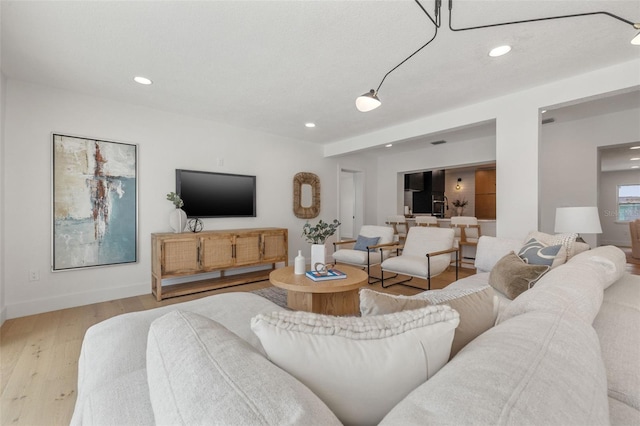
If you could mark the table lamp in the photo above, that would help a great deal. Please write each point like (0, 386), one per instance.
(581, 220)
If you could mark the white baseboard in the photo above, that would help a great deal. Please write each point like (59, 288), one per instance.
(3, 315)
(625, 243)
(39, 306)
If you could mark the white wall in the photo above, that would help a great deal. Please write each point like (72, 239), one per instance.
(2, 191)
(613, 232)
(569, 161)
(466, 192)
(166, 142)
(390, 184)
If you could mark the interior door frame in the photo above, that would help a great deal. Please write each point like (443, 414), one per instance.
(358, 199)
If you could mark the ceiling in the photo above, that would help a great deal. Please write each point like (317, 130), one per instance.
(272, 66)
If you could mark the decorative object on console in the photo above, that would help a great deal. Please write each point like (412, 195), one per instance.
(579, 220)
(460, 205)
(305, 208)
(178, 217)
(195, 225)
(370, 100)
(317, 236)
(95, 202)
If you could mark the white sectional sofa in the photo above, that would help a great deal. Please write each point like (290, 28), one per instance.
(566, 351)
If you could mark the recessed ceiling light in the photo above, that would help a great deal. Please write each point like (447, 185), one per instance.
(635, 147)
(635, 167)
(499, 51)
(389, 145)
(310, 125)
(142, 80)
(635, 159)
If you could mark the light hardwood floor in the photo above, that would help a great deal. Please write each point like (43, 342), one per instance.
(39, 353)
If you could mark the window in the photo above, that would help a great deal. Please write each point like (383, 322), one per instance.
(628, 202)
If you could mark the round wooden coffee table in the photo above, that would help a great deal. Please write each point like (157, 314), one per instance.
(332, 297)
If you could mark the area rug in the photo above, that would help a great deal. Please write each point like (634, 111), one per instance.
(274, 294)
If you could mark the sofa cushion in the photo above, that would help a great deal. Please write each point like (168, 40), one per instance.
(102, 359)
(201, 373)
(357, 257)
(491, 249)
(611, 258)
(360, 367)
(512, 276)
(477, 308)
(575, 287)
(112, 404)
(617, 325)
(535, 252)
(539, 368)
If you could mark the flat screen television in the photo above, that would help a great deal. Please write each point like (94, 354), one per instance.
(208, 194)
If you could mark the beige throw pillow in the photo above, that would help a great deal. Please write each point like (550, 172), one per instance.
(511, 276)
(477, 309)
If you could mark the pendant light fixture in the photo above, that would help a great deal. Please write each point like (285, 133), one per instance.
(370, 101)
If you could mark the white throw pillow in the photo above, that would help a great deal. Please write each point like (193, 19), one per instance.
(201, 373)
(491, 249)
(359, 367)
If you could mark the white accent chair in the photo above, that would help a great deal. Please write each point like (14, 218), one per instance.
(467, 232)
(427, 221)
(425, 254)
(365, 258)
(399, 224)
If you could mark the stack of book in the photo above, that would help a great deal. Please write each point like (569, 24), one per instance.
(332, 274)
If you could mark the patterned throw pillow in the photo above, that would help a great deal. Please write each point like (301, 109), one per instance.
(536, 253)
(363, 242)
(567, 240)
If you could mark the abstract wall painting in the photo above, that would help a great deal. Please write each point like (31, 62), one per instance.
(95, 203)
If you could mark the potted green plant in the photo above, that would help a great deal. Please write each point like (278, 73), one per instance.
(178, 217)
(459, 205)
(317, 235)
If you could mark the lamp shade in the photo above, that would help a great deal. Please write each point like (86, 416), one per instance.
(368, 101)
(636, 40)
(581, 220)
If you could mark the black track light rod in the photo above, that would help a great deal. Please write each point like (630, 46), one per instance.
(436, 20)
(524, 21)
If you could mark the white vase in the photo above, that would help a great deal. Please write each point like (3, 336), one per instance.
(317, 255)
(459, 210)
(178, 220)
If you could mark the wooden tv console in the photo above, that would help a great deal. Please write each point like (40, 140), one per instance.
(185, 254)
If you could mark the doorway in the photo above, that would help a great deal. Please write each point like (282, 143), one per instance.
(350, 203)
